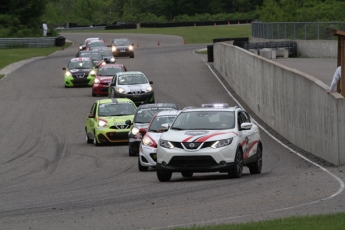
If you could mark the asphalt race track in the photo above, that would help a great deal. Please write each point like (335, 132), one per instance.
(51, 179)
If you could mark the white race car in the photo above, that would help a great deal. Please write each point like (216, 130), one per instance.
(213, 138)
(148, 144)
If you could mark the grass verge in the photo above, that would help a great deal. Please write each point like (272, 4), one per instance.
(191, 35)
(9, 56)
(318, 222)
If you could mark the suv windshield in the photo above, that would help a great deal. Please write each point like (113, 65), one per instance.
(204, 120)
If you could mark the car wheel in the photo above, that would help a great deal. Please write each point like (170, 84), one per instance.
(112, 94)
(88, 140)
(94, 94)
(256, 167)
(131, 153)
(142, 168)
(95, 139)
(132, 56)
(187, 174)
(163, 176)
(236, 170)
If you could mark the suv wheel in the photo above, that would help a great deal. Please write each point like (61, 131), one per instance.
(236, 171)
(256, 167)
(163, 176)
(131, 153)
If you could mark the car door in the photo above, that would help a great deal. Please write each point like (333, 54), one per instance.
(91, 122)
(245, 135)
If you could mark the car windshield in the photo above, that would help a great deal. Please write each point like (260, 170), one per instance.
(92, 56)
(80, 65)
(112, 109)
(157, 122)
(107, 71)
(121, 42)
(204, 120)
(96, 44)
(132, 79)
(145, 115)
(106, 52)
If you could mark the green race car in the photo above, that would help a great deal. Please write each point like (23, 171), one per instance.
(109, 121)
(79, 72)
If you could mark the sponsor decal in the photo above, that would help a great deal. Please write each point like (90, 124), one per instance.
(196, 133)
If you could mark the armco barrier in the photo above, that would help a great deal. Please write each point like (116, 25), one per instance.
(27, 42)
(292, 103)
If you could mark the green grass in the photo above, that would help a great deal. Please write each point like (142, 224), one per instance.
(192, 34)
(9, 56)
(318, 222)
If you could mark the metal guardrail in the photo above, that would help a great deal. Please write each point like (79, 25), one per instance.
(81, 28)
(296, 30)
(26, 42)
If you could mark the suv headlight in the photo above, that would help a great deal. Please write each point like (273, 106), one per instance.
(130, 47)
(166, 144)
(149, 89)
(221, 143)
(135, 131)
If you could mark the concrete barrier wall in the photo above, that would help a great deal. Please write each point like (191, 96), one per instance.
(291, 102)
(312, 48)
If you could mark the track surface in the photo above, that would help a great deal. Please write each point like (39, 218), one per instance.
(51, 179)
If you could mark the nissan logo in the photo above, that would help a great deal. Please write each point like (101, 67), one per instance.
(191, 145)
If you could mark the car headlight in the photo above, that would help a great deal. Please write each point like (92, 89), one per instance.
(221, 143)
(112, 59)
(68, 74)
(120, 90)
(149, 89)
(80, 47)
(135, 131)
(92, 72)
(102, 123)
(147, 141)
(97, 81)
(130, 47)
(113, 48)
(166, 144)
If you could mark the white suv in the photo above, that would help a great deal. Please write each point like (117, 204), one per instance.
(213, 138)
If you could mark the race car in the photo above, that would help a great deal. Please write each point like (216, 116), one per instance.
(83, 45)
(104, 76)
(133, 85)
(212, 138)
(106, 54)
(141, 121)
(109, 121)
(122, 47)
(148, 145)
(95, 57)
(79, 72)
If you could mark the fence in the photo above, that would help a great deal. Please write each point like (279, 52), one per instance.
(26, 42)
(296, 30)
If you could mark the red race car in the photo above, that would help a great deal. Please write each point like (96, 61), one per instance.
(104, 76)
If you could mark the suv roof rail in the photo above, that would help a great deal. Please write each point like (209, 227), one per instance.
(216, 105)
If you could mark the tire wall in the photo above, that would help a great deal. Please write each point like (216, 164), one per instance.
(291, 102)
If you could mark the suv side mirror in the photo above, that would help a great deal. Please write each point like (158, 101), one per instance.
(151, 82)
(64, 68)
(128, 122)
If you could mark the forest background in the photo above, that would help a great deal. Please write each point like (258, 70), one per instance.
(24, 18)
